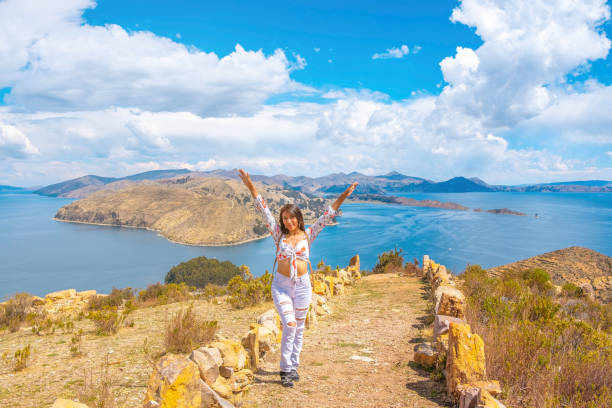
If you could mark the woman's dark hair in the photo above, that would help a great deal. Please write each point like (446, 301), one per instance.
(294, 210)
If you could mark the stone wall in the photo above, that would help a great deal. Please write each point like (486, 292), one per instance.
(217, 374)
(454, 349)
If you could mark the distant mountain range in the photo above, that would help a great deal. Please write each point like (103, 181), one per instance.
(390, 183)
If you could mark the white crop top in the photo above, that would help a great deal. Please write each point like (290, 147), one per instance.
(284, 249)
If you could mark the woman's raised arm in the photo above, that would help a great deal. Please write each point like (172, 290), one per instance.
(246, 179)
(271, 223)
(343, 196)
(329, 214)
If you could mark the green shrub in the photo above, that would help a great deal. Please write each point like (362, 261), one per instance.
(21, 358)
(211, 291)
(114, 299)
(538, 278)
(107, 321)
(243, 293)
(388, 260)
(201, 271)
(185, 332)
(164, 294)
(571, 290)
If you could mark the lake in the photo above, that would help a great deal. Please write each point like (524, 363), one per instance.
(39, 255)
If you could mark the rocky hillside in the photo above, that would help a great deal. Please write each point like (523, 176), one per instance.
(186, 209)
(582, 266)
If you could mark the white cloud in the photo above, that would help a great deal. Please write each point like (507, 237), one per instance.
(529, 48)
(62, 64)
(317, 49)
(395, 52)
(192, 113)
(13, 143)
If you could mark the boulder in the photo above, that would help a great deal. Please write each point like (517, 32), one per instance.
(441, 323)
(230, 388)
(425, 355)
(425, 265)
(62, 294)
(250, 342)
(354, 262)
(449, 302)
(491, 386)
(319, 287)
(66, 403)
(211, 399)
(226, 372)
(488, 401)
(208, 360)
(441, 277)
(174, 383)
(339, 288)
(233, 354)
(267, 340)
(271, 321)
(469, 397)
(465, 361)
(330, 282)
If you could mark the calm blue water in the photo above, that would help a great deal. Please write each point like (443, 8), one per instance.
(39, 255)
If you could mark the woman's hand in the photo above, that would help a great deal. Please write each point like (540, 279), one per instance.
(246, 179)
(350, 189)
(336, 205)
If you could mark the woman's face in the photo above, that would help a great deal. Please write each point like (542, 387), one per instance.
(290, 221)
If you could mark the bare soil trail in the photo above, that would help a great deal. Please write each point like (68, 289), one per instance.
(380, 319)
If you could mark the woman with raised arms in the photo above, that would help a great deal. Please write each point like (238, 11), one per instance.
(291, 288)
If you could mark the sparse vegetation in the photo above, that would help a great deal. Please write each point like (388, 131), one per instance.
(244, 290)
(107, 321)
(76, 341)
(164, 294)
(201, 271)
(13, 313)
(21, 358)
(114, 299)
(547, 350)
(97, 388)
(185, 331)
(390, 261)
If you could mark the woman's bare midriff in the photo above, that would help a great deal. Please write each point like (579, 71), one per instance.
(283, 267)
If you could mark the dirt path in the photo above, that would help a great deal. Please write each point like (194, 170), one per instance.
(379, 319)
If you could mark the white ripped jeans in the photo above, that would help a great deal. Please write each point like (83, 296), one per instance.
(292, 301)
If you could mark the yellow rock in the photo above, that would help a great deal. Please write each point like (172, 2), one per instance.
(222, 386)
(450, 301)
(65, 403)
(425, 355)
(354, 262)
(62, 294)
(488, 401)
(491, 386)
(241, 380)
(86, 294)
(175, 383)
(233, 354)
(319, 287)
(250, 341)
(330, 280)
(465, 361)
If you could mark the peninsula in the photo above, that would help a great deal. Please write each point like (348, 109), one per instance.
(189, 210)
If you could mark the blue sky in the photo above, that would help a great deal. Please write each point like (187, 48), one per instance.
(511, 91)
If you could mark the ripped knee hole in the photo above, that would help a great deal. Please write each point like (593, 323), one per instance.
(292, 324)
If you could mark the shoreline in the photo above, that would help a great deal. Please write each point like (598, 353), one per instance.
(160, 234)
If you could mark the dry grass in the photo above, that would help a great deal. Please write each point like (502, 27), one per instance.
(547, 351)
(14, 312)
(97, 386)
(186, 331)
